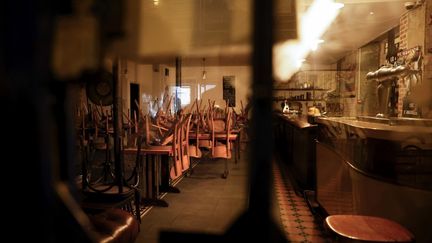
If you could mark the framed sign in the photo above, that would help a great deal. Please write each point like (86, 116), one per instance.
(228, 83)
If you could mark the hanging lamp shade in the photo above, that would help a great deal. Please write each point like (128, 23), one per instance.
(204, 73)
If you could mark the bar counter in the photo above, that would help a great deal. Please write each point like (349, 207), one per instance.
(376, 168)
(381, 129)
(299, 122)
(295, 143)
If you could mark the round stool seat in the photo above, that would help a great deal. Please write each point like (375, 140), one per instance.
(368, 228)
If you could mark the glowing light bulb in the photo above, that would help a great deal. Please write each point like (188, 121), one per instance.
(204, 76)
(204, 73)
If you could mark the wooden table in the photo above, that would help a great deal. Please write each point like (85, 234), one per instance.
(158, 165)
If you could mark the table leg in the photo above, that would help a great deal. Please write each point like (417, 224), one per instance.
(238, 146)
(165, 176)
(226, 171)
(153, 200)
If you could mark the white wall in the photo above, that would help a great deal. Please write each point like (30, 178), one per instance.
(192, 77)
(152, 81)
(141, 74)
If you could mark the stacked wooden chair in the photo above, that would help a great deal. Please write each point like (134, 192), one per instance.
(221, 144)
(103, 189)
(111, 203)
(166, 152)
(211, 130)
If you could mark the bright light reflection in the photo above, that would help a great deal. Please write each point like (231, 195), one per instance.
(183, 93)
(339, 5)
(316, 44)
(148, 106)
(313, 23)
(204, 88)
(300, 63)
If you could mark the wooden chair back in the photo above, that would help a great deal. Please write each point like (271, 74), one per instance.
(221, 147)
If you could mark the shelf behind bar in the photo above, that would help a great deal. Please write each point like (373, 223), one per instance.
(299, 89)
(282, 99)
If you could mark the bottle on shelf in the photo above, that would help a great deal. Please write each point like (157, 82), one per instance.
(286, 107)
(409, 108)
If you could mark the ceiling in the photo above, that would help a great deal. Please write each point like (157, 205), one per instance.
(219, 30)
(359, 22)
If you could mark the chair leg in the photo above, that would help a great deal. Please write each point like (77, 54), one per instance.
(137, 205)
(226, 171)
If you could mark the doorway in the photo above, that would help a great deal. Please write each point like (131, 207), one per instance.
(134, 99)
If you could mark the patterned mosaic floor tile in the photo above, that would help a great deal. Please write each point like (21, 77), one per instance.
(298, 222)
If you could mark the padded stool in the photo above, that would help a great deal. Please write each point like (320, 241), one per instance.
(358, 228)
(115, 226)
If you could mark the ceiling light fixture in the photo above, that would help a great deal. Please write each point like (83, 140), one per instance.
(156, 2)
(204, 73)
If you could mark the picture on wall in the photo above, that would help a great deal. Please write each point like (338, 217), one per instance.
(347, 74)
(228, 83)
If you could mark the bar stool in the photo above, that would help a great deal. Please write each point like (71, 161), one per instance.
(359, 228)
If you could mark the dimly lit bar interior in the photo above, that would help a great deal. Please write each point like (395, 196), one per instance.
(216, 120)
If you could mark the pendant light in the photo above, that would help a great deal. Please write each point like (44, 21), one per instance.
(204, 73)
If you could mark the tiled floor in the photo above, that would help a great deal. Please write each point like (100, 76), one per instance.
(298, 222)
(209, 204)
